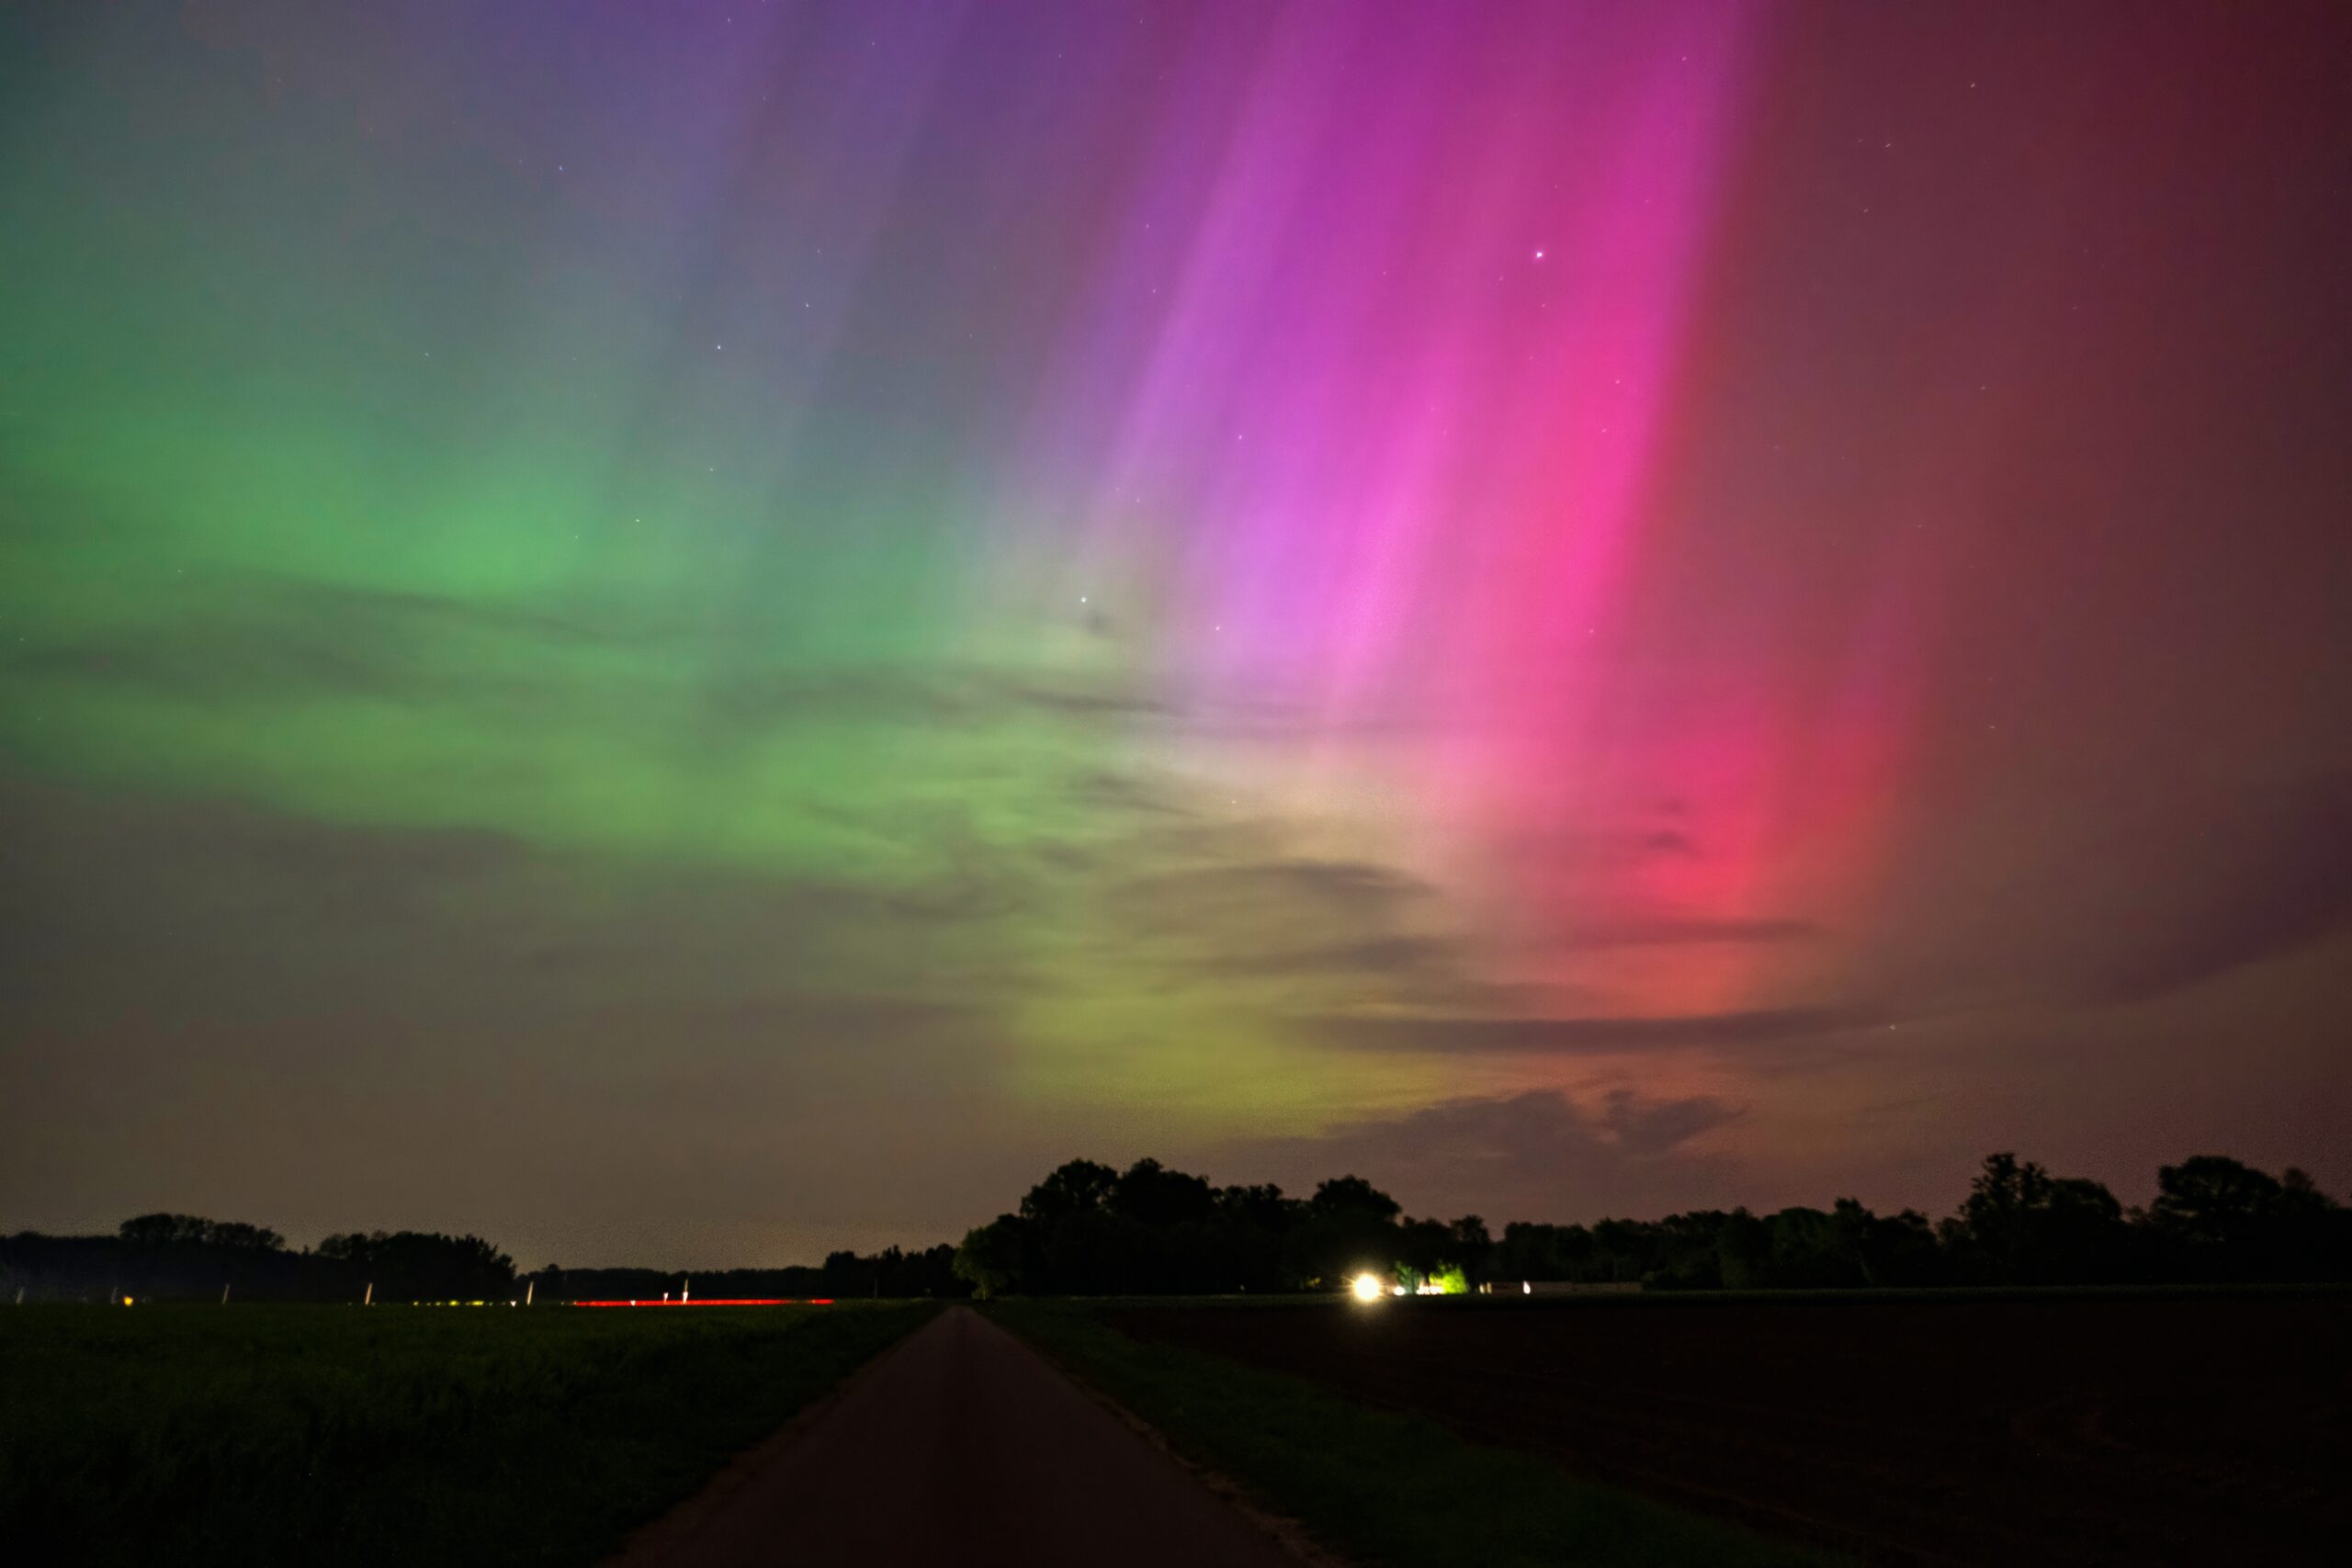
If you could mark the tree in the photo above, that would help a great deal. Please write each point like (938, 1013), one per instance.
(1422, 1247)
(1077, 1187)
(2217, 1218)
(1350, 1224)
(425, 1266)
(1151, 1194)
(160, 1230)
(1472, 1247)
(1999, 1200)
(2020, 1224)
(234, 1234)
(1263, 1205)
(992, 1259)
(1353, 1196)
(2211, 1201)
(1254, 1225)
(1744, 1251)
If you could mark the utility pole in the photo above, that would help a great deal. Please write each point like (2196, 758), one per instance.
(529, 1286)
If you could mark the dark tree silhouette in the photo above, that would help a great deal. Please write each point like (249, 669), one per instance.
(1151, 1194)
(163, 1230)
(2021, 1226)
(425, 1266)
(1077, 1188)
(1087, 1228)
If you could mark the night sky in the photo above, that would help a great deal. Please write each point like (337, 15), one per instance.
(699, 632)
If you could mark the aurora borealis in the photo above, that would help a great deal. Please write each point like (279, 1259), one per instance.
(721, 628)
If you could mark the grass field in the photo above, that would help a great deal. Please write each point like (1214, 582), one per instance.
(1374, 1486)
(263, 1436)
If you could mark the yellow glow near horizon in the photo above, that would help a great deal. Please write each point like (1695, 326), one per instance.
(1366, 1287)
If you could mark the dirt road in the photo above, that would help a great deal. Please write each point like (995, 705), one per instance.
(959, 1446)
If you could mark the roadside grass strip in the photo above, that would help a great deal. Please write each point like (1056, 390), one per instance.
(1376, 1486)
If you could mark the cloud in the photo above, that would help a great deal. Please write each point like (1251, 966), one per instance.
(1219, 914)
(1540, 1155)
(1085, 701)
(1456, 1034)
(962, 696)
(263, 637)
(1127, 793)
(236, 909)
(1434, 957)
(1660, 1126)
(269, 637)
(1267, 894)
(1685, 932)
(757, 699)
(2282, 879)
(2145, 898)
(212, 1003)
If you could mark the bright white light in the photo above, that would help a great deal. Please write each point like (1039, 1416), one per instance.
(1525, 1289)
(1366, 1287)
(1396, 1290)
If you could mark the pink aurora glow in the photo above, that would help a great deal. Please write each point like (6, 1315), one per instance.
(1376, 391)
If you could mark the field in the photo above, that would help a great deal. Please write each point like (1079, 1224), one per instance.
(2123, 1429)
(1381, 1488)
(303, 1435)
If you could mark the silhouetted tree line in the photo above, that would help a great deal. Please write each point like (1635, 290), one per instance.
(1088, 1229)
(183, 1257)
(158, 1230)
(843, 1276)
(420, 1265)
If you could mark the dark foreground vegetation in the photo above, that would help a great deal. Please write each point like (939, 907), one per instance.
(1380, 1487)
(2060, 1428)
(1090, 1230)
(291, 1435)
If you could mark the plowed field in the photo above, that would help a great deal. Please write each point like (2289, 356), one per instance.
(2108, 1430)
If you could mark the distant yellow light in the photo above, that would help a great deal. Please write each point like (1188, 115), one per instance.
(1366, 1287)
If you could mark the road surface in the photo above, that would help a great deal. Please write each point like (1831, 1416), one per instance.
(959, 1446)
